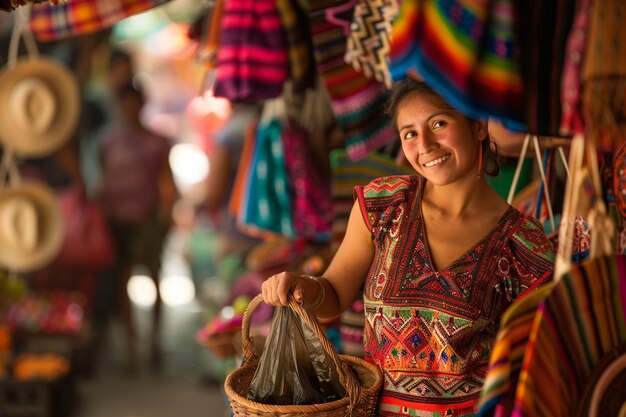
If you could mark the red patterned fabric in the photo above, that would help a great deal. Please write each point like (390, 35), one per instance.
(432, 331)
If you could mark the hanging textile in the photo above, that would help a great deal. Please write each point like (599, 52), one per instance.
(541, 58)
(298, 37)
(52, 22)
(466, 53)
(580, 320)
(369, 41)
(572, 121)
(268, 203)
(505, 362)
(252, 61)
(604, 74)
(309, 187)
(357, 101)
(403, 47)
(10, 5)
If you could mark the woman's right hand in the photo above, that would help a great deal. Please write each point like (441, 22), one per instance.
(277, 288)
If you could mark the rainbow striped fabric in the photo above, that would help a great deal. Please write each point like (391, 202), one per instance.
(77, 17)
(577, 321)
(582, 320)
(465, 51)
(505, 362)
(252, 61)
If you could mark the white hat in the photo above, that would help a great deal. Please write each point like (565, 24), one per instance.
(39, 106)
(31, 229)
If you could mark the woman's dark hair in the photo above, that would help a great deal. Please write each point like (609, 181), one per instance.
(409, 85)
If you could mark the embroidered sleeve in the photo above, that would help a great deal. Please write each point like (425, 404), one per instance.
(527, 262)
(380, 200)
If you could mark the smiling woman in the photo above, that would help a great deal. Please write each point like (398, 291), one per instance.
(440, 256)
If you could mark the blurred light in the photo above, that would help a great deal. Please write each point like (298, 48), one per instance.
(189, 164)
(171, 42)
(227, 313)
(177, 290)
(140, 25)
(141, 290)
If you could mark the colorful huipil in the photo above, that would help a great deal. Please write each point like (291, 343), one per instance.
(430, 331)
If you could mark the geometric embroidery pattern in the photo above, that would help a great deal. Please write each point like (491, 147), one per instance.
(431, 331)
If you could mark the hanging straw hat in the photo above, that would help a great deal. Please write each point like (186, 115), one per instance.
(39, 106)
(30, 226)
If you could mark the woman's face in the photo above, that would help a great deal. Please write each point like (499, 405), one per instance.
(439, 142)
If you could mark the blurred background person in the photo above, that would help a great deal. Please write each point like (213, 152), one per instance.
(137, 194)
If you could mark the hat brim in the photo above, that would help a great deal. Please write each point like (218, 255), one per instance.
(64, 87)
(50, 228)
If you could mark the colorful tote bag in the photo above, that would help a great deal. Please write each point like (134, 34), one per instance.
(252, 61)
(582, 320)
(357, 101)
(268, 202)
(78, 17)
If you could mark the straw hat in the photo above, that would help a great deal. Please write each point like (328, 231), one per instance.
(30, 227)
(39, 106)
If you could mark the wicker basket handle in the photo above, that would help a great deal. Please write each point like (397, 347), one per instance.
(346, 377)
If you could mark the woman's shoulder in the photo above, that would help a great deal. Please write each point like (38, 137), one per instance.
(390, 185)
(529, 236)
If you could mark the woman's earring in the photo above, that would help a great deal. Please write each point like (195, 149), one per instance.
(480, 160)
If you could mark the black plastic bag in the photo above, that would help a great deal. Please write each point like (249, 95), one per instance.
(294, 368)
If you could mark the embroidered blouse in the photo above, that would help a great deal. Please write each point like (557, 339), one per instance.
(430, 331)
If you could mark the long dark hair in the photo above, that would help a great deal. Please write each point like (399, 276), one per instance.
(408, 86)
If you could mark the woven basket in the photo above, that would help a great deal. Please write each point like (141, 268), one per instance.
(361, 379)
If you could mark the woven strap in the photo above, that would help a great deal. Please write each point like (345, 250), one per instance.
(347, 379)
(600, 223)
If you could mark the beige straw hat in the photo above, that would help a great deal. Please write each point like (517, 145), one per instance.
(31, 229)
(39, 106)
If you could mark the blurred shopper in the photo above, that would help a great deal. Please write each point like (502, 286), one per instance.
(137, 194)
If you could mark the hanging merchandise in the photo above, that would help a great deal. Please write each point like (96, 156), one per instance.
(268, 205)
(295, 24)
(572, 120)
(541, 57)
(463, 52)
(312, 205)
(39, 97)
(252, 62)
(10, 5)
(604, 75)
(79, 17)
(31, 227)
(369, 40)
(579, 320)
(40, 103)
(357, 101)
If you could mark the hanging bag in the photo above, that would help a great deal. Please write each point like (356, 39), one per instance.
(586, 303)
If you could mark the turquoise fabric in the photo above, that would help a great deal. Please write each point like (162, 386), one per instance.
(268, 203)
